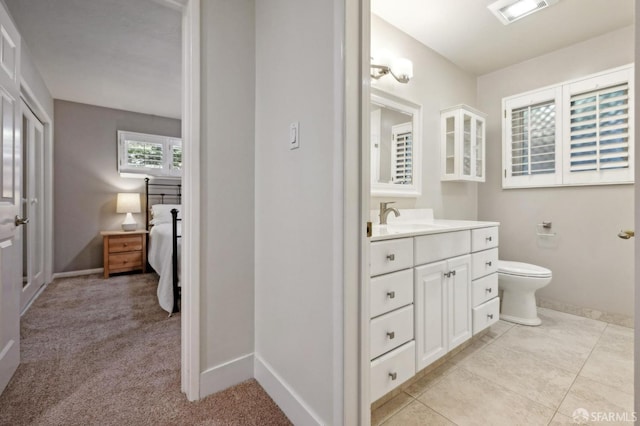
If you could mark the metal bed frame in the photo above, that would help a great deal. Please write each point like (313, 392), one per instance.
(173, 194)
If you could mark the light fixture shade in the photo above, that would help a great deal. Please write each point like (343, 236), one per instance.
(402, 67)
(128, 202)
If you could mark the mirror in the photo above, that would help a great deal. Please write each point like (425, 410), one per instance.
(396, 142)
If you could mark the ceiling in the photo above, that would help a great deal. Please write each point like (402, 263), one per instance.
(119, 54)
(469, 35)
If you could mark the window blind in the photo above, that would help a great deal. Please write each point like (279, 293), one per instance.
(533, 139)
(144, 154)
(403, 156)
(599, 130)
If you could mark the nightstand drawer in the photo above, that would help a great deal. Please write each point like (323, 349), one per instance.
(124, 243)
(125, 261)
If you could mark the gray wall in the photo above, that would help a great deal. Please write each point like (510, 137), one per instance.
(592, 268)
(227, 182)
(86, 178)
(437, 84)
(298, 235)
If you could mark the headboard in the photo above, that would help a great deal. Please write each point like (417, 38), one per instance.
(160, 193)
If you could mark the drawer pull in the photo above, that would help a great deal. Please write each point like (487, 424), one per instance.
(450, 273)
(391, 257)
(490, 316)
(393, 376)
(125, 244)
(391, 294)
(488, 239)
(488, 290)
(391, 334)
(488, 263)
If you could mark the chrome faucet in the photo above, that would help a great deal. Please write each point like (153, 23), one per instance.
(384, 212)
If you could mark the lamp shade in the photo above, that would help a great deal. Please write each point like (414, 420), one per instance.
(128, 203)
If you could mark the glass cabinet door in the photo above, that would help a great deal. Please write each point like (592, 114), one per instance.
(462, 144)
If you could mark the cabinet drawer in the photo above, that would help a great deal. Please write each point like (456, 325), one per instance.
(484, 238)
(484, 263)
(486, 314)
(391, 330)
(391, 291)
(391, 370)
(125, 261)
(430, 248)
(391, 255)
(484, 288)
(118, 244)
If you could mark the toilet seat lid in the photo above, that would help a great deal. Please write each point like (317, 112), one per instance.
(522, 269)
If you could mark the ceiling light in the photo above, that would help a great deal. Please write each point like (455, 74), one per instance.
(508, 11)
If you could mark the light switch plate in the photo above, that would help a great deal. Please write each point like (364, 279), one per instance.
(294, 135)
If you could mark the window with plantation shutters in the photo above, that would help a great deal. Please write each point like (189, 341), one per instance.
(574, 133)
(149, 155)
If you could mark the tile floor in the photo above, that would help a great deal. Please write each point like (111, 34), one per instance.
(517, 375)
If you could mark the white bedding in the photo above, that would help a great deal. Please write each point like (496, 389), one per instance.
(159, 257)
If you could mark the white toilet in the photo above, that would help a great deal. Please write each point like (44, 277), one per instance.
(519, 282)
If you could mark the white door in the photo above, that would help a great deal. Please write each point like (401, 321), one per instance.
(459, 292)
(430, 307)
(10, 165)
(32, 205)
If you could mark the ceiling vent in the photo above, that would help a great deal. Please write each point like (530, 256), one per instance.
(508, 11)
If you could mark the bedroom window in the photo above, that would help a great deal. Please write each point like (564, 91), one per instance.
(574, 133)
(141, 155)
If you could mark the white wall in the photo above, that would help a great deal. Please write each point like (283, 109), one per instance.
(437, 84)
(227, 192)
(298, 208)
(592, 268)
(31, 76)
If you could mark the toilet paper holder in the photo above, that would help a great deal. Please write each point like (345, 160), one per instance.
(542, 230)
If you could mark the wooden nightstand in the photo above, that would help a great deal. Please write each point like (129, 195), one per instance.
(124, 251)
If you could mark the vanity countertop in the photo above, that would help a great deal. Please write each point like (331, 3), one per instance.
(404, 230)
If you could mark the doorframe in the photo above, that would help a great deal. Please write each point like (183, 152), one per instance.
(357, 408)
(28, 96)
(190, 308)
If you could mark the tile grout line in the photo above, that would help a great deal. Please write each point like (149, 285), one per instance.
(557, 411)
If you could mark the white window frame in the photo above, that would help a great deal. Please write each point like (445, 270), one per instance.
(166, 171)
(561, 95)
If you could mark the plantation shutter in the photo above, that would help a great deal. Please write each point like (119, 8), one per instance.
(600, 129)
(402, 161)
(144, 154)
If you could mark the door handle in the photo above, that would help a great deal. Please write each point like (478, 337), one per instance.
(21, 220)
(625, 235)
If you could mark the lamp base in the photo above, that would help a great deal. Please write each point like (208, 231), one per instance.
(129, 226)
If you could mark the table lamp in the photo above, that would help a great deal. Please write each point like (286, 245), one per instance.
(128, 203)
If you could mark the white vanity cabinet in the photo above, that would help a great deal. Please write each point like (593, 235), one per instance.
(462, 146)
(484, 285)
(391, 347)
(428, 294)
(442, 294)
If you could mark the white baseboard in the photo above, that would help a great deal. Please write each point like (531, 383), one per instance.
(10, 358)
(33, 299)
(289, 402)
(77, 273)
(226, 375)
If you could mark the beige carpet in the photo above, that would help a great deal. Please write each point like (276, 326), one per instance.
(102, 352)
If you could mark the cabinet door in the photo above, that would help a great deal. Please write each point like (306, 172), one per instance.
(478, 150)
(430, 307)
(468, 135)
(459, 297)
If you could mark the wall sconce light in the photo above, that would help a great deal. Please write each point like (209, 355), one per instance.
(400, 68)
(128, 203)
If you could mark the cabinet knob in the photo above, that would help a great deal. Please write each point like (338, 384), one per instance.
(125, 244)
(391, 294)
(393, 376)
(488, 290)
(488, 239)
(391, 334)
(488, 263)
(490, 316)
(391, 257)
